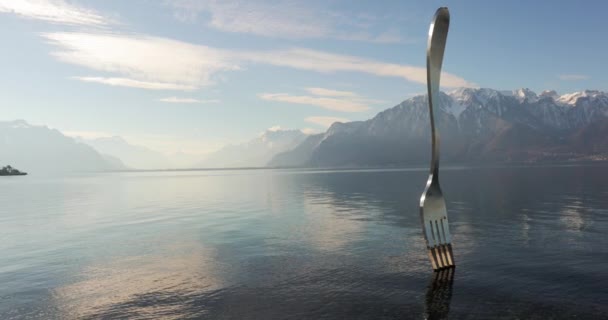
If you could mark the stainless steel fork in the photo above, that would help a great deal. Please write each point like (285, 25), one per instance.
(433, 213)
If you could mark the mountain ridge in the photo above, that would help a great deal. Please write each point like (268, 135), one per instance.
(133, 156)
(475, 125)
(255, 152)
(42, 150)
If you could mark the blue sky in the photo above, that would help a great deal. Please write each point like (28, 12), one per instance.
(191, 76)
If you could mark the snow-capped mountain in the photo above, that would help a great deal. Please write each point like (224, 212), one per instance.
(549, 94)
(256, 152)
(41, 150)
(525, 94)
(475, 125)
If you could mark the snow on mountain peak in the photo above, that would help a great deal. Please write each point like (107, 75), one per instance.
(549, 94)
(480, 95)
(525, 94)
(460, 93)
(572, 98)
(464, 97)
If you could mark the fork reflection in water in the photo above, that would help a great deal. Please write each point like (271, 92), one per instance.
(439, 294)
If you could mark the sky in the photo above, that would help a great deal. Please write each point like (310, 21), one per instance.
(191, 76)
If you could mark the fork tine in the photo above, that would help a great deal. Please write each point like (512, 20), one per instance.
(451, 254)
(446, 242)
(448, 262)
(440, 249)
(432, 258)
(434, 244)
(443, 256)
(442, 243)
(436, 259)
(440, 257)
(445, 228)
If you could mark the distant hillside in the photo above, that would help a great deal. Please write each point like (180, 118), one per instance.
(256, 152)
(476, 125)
(40, 150)
(136, 157)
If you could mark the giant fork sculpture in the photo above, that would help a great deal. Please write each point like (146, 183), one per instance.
(433, 213)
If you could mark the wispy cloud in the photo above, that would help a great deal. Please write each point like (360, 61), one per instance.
(275, 128)
(573, 77)
(325, 121)
(330, 92)
(284, 19)
(53, 11)
(323, 102)
(155, 63)
(125, 82)
(336, 100)
(187, 100)
(140, 61)
(313, 60)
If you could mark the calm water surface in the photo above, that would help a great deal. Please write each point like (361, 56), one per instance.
(287, 244)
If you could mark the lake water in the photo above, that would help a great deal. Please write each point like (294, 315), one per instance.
(529, 242)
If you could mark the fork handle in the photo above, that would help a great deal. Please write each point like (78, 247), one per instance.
(438, 33)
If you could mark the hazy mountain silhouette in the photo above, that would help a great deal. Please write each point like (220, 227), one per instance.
(256, 152)
(133, 156)
(41, 150)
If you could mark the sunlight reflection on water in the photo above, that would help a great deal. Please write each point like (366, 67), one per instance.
(301, 244)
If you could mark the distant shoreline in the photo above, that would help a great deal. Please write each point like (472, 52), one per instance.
(396, 167)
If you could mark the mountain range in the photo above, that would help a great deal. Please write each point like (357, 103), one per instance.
(475, 125)
(39, 149)
(256, 152)
(133, 156)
